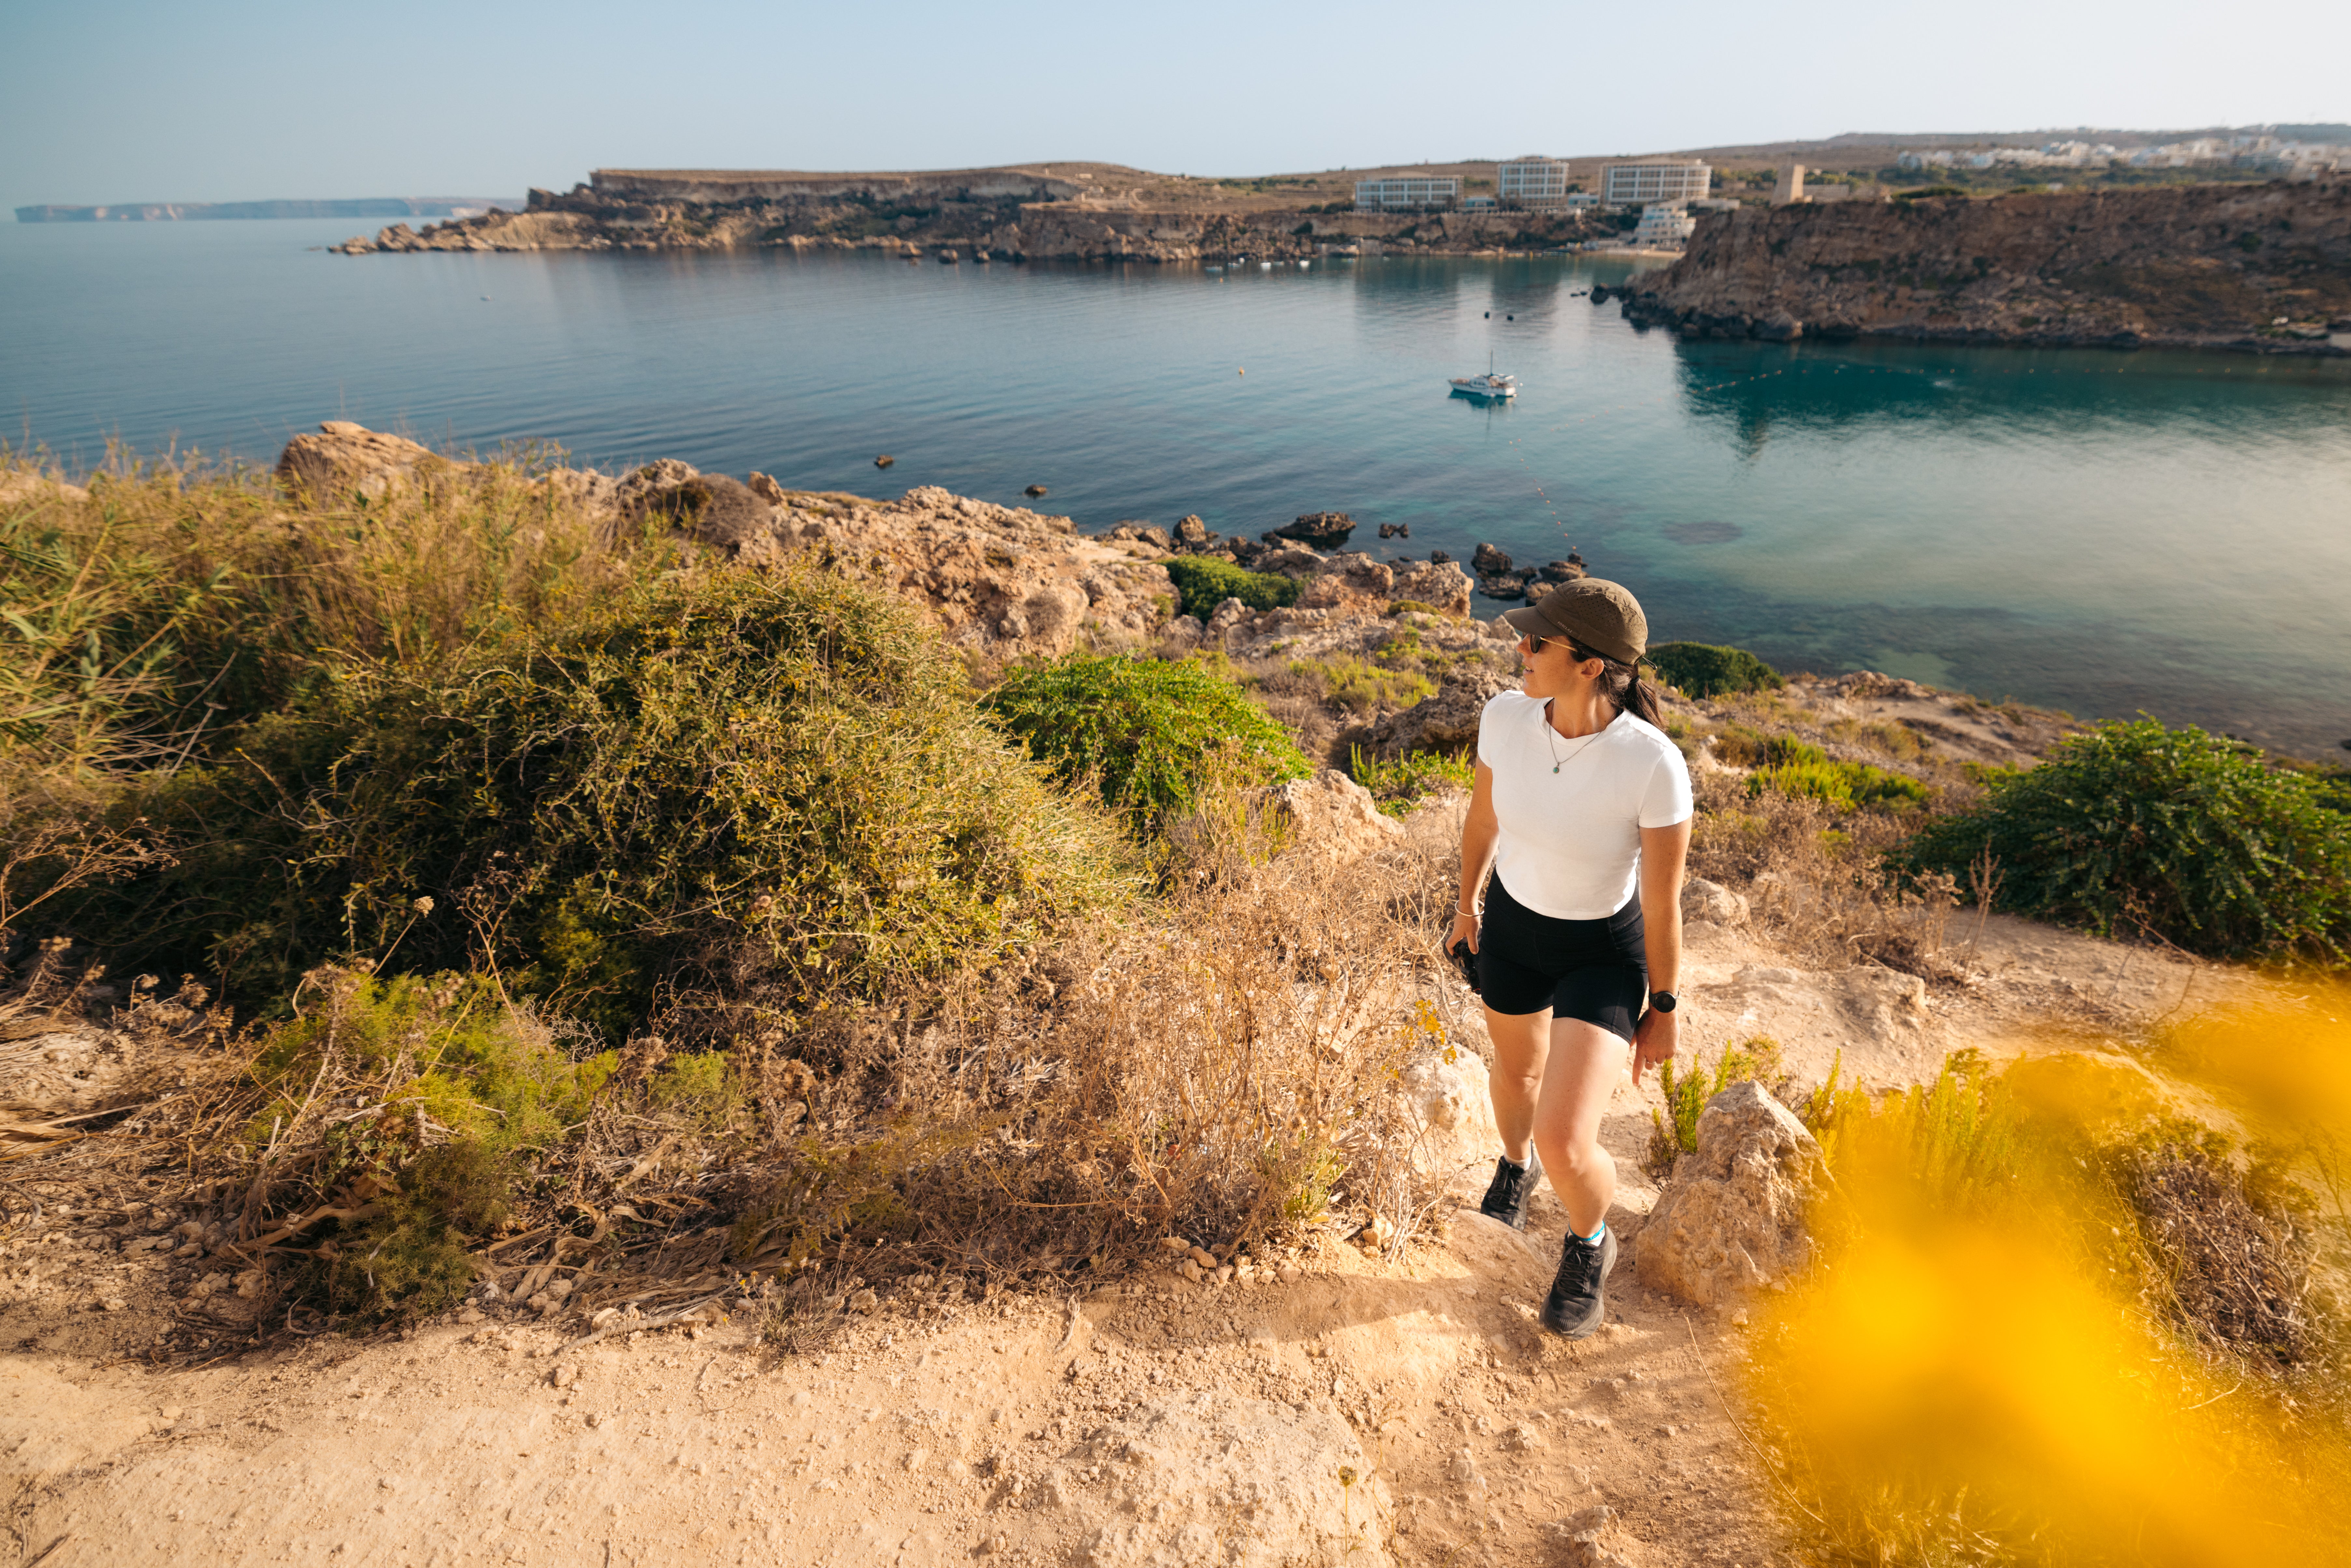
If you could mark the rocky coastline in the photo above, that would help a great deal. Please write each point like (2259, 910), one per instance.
(975, 215)
(2260, 268)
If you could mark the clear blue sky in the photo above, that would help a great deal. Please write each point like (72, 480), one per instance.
(116, 100)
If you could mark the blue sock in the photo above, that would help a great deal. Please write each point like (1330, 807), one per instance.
(1592, 1239)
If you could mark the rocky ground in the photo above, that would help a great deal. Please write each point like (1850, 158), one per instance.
(1312, 1403)
(1160, 1420)
(2262, 267)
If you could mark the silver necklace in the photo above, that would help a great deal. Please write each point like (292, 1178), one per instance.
(1550, 739)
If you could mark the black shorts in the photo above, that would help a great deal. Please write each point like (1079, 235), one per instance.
(1596, 971)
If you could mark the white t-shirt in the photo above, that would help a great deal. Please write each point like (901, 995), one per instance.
(1570, 843)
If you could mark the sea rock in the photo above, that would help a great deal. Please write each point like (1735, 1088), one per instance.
(1454, 1136)
(1325, 530)
(1142, 534)
(1330, 815)
(344, 459)
(1488, 561)
(1446, 721)
(1731, 1217)
(1395, 530)
(1560, 570)
(1704, 900)
(1192, 534)
(1217, 1479)
(1502, 585)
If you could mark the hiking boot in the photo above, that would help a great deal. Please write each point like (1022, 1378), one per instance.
(1576, 1303)
(1507, 1196)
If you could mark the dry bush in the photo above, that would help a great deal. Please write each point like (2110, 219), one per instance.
(1816, 879)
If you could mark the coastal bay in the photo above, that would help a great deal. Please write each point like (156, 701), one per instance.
(2096, 531)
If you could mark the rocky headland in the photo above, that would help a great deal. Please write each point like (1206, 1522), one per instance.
(2260, 267)
(1071, 213)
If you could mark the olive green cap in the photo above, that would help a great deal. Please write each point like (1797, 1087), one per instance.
(1602, 616)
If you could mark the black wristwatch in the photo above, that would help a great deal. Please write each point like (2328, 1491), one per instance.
(1663, 1001)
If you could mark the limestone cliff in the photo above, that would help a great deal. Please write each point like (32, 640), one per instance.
(2200, 265)
(999, 214)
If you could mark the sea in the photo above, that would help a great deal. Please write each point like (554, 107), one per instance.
(2108, 533)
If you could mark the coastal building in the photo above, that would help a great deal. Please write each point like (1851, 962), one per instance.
(1640, 184)
(1479, 203)
(1581, 200)
(1790, 186)
(1716, 204)
(1532, 182)
(1664, 226)
(1408, 192)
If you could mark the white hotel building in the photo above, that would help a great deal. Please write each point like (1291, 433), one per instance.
(1532, 182)
(1410, 192)
(1642, 185)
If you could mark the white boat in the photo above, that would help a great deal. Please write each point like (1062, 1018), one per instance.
(1488, 385)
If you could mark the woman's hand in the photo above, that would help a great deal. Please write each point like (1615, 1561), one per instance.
(1465, 929)
(1654, 1040)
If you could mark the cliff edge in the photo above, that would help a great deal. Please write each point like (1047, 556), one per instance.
(2264, 267)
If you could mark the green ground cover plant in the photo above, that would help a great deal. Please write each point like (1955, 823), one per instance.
(1147, 735)
(2186, 836)
(1705, 670)
(1207, 582)
(1791, 766)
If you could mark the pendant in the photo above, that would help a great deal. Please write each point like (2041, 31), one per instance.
(1555, 768)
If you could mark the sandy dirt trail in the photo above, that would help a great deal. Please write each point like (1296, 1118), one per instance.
(944, 1428)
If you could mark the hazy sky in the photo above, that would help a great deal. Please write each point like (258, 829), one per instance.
(116, 100)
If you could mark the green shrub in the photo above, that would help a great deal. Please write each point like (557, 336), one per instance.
(1147, 734)
(1703, 670)
(2184, 835)
(773, 787)
(1207, 582)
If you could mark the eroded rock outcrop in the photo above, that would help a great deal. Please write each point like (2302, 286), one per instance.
(1232, 1482)
(2201, 266)
(344, 459)
(1330, 814)
(1445, 722)
(1730, 1218)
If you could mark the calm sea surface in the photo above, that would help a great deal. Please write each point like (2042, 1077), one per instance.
(2104, 532)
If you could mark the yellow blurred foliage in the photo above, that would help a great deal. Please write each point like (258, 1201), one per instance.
(1974, 1372)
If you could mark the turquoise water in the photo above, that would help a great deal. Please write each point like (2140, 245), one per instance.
(2107, 533)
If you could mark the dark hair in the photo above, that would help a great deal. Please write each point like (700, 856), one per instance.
(1621, 684)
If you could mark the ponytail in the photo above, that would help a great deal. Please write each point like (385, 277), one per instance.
(1621, 684)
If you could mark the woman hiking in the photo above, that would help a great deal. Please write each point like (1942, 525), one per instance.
(1582, 815)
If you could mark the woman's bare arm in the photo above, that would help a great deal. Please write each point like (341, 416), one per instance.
(1665, 852)
(1479, 831)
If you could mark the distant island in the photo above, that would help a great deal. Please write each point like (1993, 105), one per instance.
(349, 208)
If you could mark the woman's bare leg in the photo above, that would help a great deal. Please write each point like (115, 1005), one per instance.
(1521, 1042)
(1580, 1072)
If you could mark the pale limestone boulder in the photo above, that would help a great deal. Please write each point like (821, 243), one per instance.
(1730, 1219)
(1217, 1479)
(23, 488)
(345, 458)
(1454, 1136)
(1710, 901)
(1447, 721)
(1330, 814)
(1441, 585)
